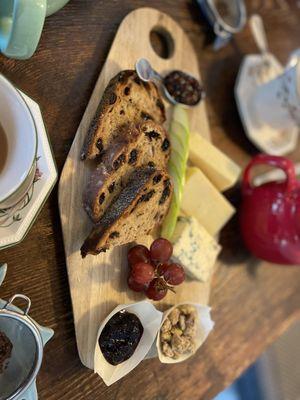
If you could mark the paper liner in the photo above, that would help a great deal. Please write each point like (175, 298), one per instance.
(204, 327)
(151, 321)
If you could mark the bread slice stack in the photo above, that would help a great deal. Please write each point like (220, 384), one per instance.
(129, 190)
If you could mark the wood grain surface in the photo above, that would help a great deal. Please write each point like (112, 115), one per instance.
(98, 284)
(253, 302)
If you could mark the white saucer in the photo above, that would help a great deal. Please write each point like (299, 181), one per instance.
(251, 75)
(15, 222)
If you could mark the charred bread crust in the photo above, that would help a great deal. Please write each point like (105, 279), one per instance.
(128, 151)
(140, 190)
(108, 99)
(105, 103)
(129, 194)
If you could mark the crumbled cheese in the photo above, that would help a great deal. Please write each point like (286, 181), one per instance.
(194, 248)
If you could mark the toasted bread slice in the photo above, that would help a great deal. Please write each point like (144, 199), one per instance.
(144, 145)
(126, 99)
(141, 206)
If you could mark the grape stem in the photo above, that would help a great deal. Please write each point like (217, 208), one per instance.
(171, 288)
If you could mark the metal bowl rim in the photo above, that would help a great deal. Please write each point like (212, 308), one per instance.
(217, 17)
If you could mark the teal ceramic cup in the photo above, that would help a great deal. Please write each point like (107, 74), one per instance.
(21, 25)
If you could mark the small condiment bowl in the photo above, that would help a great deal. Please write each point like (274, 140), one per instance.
(204, 327)
(146, 73)
(185, 76)
(150, 318)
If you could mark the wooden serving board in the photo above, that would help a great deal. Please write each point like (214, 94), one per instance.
(98, 283)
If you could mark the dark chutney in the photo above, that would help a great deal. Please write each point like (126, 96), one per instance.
(120, 337)
(184, 88)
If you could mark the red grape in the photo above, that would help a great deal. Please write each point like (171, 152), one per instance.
(174, 274)
(136, 287)
(142, 273)
(161, 269)
(138, 253)
(161, 250)
(157, 289)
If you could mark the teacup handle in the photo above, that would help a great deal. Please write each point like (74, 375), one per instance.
(20, 36)
(278, 162)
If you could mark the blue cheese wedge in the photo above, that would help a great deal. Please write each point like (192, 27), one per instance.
(194, 248)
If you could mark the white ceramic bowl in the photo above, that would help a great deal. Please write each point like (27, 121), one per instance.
(19, 127)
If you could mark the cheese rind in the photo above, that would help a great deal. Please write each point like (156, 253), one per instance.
(203, 201)
(220, 169)
(194, 248)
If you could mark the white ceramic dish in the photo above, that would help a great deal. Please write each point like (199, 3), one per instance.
(251, 75)
(16, 221)
(21, 133)
(18, 195)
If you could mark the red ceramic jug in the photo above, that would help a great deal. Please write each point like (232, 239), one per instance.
(270, 214)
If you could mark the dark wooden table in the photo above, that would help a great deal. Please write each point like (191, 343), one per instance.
(253, 303)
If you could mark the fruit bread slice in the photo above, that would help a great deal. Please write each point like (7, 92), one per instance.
(141, 206)
(126, 99)
(142, 145)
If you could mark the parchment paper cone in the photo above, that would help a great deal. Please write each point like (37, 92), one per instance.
(204, 327)
(151, 321)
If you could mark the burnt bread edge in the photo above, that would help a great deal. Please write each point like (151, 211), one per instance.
(100, 241)
(138, 179)
(105, 102)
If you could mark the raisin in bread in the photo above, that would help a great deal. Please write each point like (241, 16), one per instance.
(141, 206)
(127, 99)
(144, 144)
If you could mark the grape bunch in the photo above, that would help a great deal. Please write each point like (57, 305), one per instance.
(151, 271)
